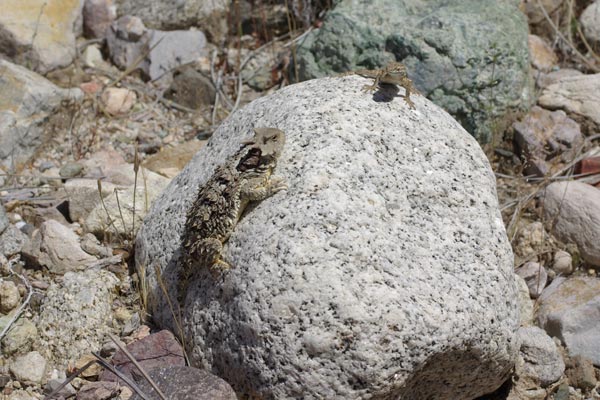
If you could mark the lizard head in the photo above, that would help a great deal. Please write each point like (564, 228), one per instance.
(263, 149)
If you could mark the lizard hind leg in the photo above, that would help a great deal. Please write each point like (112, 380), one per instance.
(211, 249)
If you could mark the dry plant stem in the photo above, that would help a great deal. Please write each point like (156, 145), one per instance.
(136, 168)
(176, 317)
(559, 33)
(110, 221)
(119, 208)
(22, 307)
(138, 366)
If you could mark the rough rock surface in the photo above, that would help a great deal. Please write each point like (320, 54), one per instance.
(543, 362)
(470, 57)
(26, 100)
(29, 367)
(40, 34)
(76, 315)
(590, 22)
(574, 209)
(186, 383)
(578, 95)
(164, 14)
(542, 56)
(569, 309)
(56, 247)
(384, 266)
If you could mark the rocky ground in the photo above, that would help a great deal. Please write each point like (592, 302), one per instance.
(95, 124)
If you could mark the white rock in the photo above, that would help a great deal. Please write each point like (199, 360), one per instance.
(30, 367)
(118, 101)
(386, 257)
(563, 263)
(535, 276)
(92, 57)
(57, 248)
(9, 296)
(569, 309)
(590, 22)
(574, 209)
(76, 315)
(542, 360)
(579, 96)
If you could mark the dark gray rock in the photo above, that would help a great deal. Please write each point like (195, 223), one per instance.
(191, 89)
(469, 57)
(382, 268)
(97, 17)
(186, 383)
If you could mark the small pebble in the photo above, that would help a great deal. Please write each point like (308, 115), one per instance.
(70, 170)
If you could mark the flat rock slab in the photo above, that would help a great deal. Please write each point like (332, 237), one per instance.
(383, 272)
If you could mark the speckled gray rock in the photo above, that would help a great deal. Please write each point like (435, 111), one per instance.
(26, 101)
(468, 56)
(76, 315)
(29, 367)
(568, 309)
(574, 211)
(382, 268)
(186, 383)
(12, 240)
(542, 361)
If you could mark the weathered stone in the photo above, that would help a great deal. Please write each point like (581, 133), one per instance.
(535, 276)
(169, 161)
(574, 211)
(590, 22)
(543, 136)
(9, 296)
(187, 383)
(118, 207)
(580, 372)
(386, 254)
(12, 241)
(563, 263)
(30, 367)
(568, 310)
(542, 56)
(98, 391)
(84, 196)
(56, 247)
(76, 315)
(118, 101)
(157, 350)
(542, 361)
(578, 95)
(92, 58)
(191, 89)
(97, 17)
(40, 34)
(469, 57)
(3, 220)
(26, 101)
(162, 14)
(19, 337)
(70, 170)
(525, 302)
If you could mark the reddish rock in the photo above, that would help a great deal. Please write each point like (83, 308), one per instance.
(91, 87)
(542, 56)
(157, 350)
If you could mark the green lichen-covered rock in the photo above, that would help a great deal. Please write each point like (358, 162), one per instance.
(468, 56)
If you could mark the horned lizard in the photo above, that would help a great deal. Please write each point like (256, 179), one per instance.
(393, 73)
(244, 177)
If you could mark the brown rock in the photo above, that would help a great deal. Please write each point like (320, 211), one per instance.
(187, 383)
(191, 89)
(544, 135)
(581, 373)
(98, 391)
(157, 350)
(171, 160)
(542, 56)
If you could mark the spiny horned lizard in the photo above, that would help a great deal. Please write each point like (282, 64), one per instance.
(244, 177)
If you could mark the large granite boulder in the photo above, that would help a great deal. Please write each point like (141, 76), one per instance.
(469, 57)
(383, 272)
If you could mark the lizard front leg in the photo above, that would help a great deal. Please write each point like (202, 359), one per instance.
(375, 85)
(252, 191)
